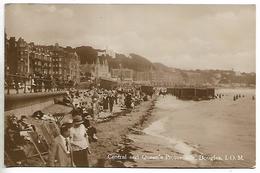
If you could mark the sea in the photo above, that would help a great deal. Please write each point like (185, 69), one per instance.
(211, 133)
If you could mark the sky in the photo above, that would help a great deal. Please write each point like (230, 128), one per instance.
(180, 36)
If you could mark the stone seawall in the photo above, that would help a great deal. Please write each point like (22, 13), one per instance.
(26, 104)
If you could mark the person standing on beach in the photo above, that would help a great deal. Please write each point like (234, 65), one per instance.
(111, 101)
(121, 99)
(79, 142)
(128, 100)
(105, 102)
(60, 153)
(115, 94)
(95, 108)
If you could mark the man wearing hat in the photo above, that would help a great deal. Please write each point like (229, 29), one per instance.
(60, 153)
(79, 142)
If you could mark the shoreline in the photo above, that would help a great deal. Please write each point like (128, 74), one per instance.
(142, 149)
(112, 135)
(123, 156)
(127, 154)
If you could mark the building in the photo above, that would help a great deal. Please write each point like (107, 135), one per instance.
(106, 52)
(98, 69)
(122, 74)
(101, 68)
(40, 62)
(27, 59)
(11, 59)
(141, 76)
(22, 56)
(60, 65)
(74, 67)
(156, 77)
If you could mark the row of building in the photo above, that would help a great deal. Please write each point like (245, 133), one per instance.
(101, 69)
(27, 59)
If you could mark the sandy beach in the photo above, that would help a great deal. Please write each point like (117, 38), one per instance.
(167, 132)
(112, 135)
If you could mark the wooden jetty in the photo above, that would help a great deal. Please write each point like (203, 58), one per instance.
(192, 93)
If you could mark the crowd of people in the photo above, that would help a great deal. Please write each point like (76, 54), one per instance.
(20, 137)
(77, 133)
(71, 146)
(96, 101)
(36, 83)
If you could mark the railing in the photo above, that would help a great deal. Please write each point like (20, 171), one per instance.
(15, 84)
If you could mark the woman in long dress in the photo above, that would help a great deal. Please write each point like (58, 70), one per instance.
(79, 142)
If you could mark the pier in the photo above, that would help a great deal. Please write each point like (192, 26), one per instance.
(192, 93)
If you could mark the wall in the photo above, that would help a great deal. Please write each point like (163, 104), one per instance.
(26, 104)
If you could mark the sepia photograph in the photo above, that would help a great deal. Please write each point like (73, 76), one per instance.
(129, 85)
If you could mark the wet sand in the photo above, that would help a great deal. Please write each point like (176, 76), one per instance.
(215, 133)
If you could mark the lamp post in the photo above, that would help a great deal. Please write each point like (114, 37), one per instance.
(28, 60)
(121, 74)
